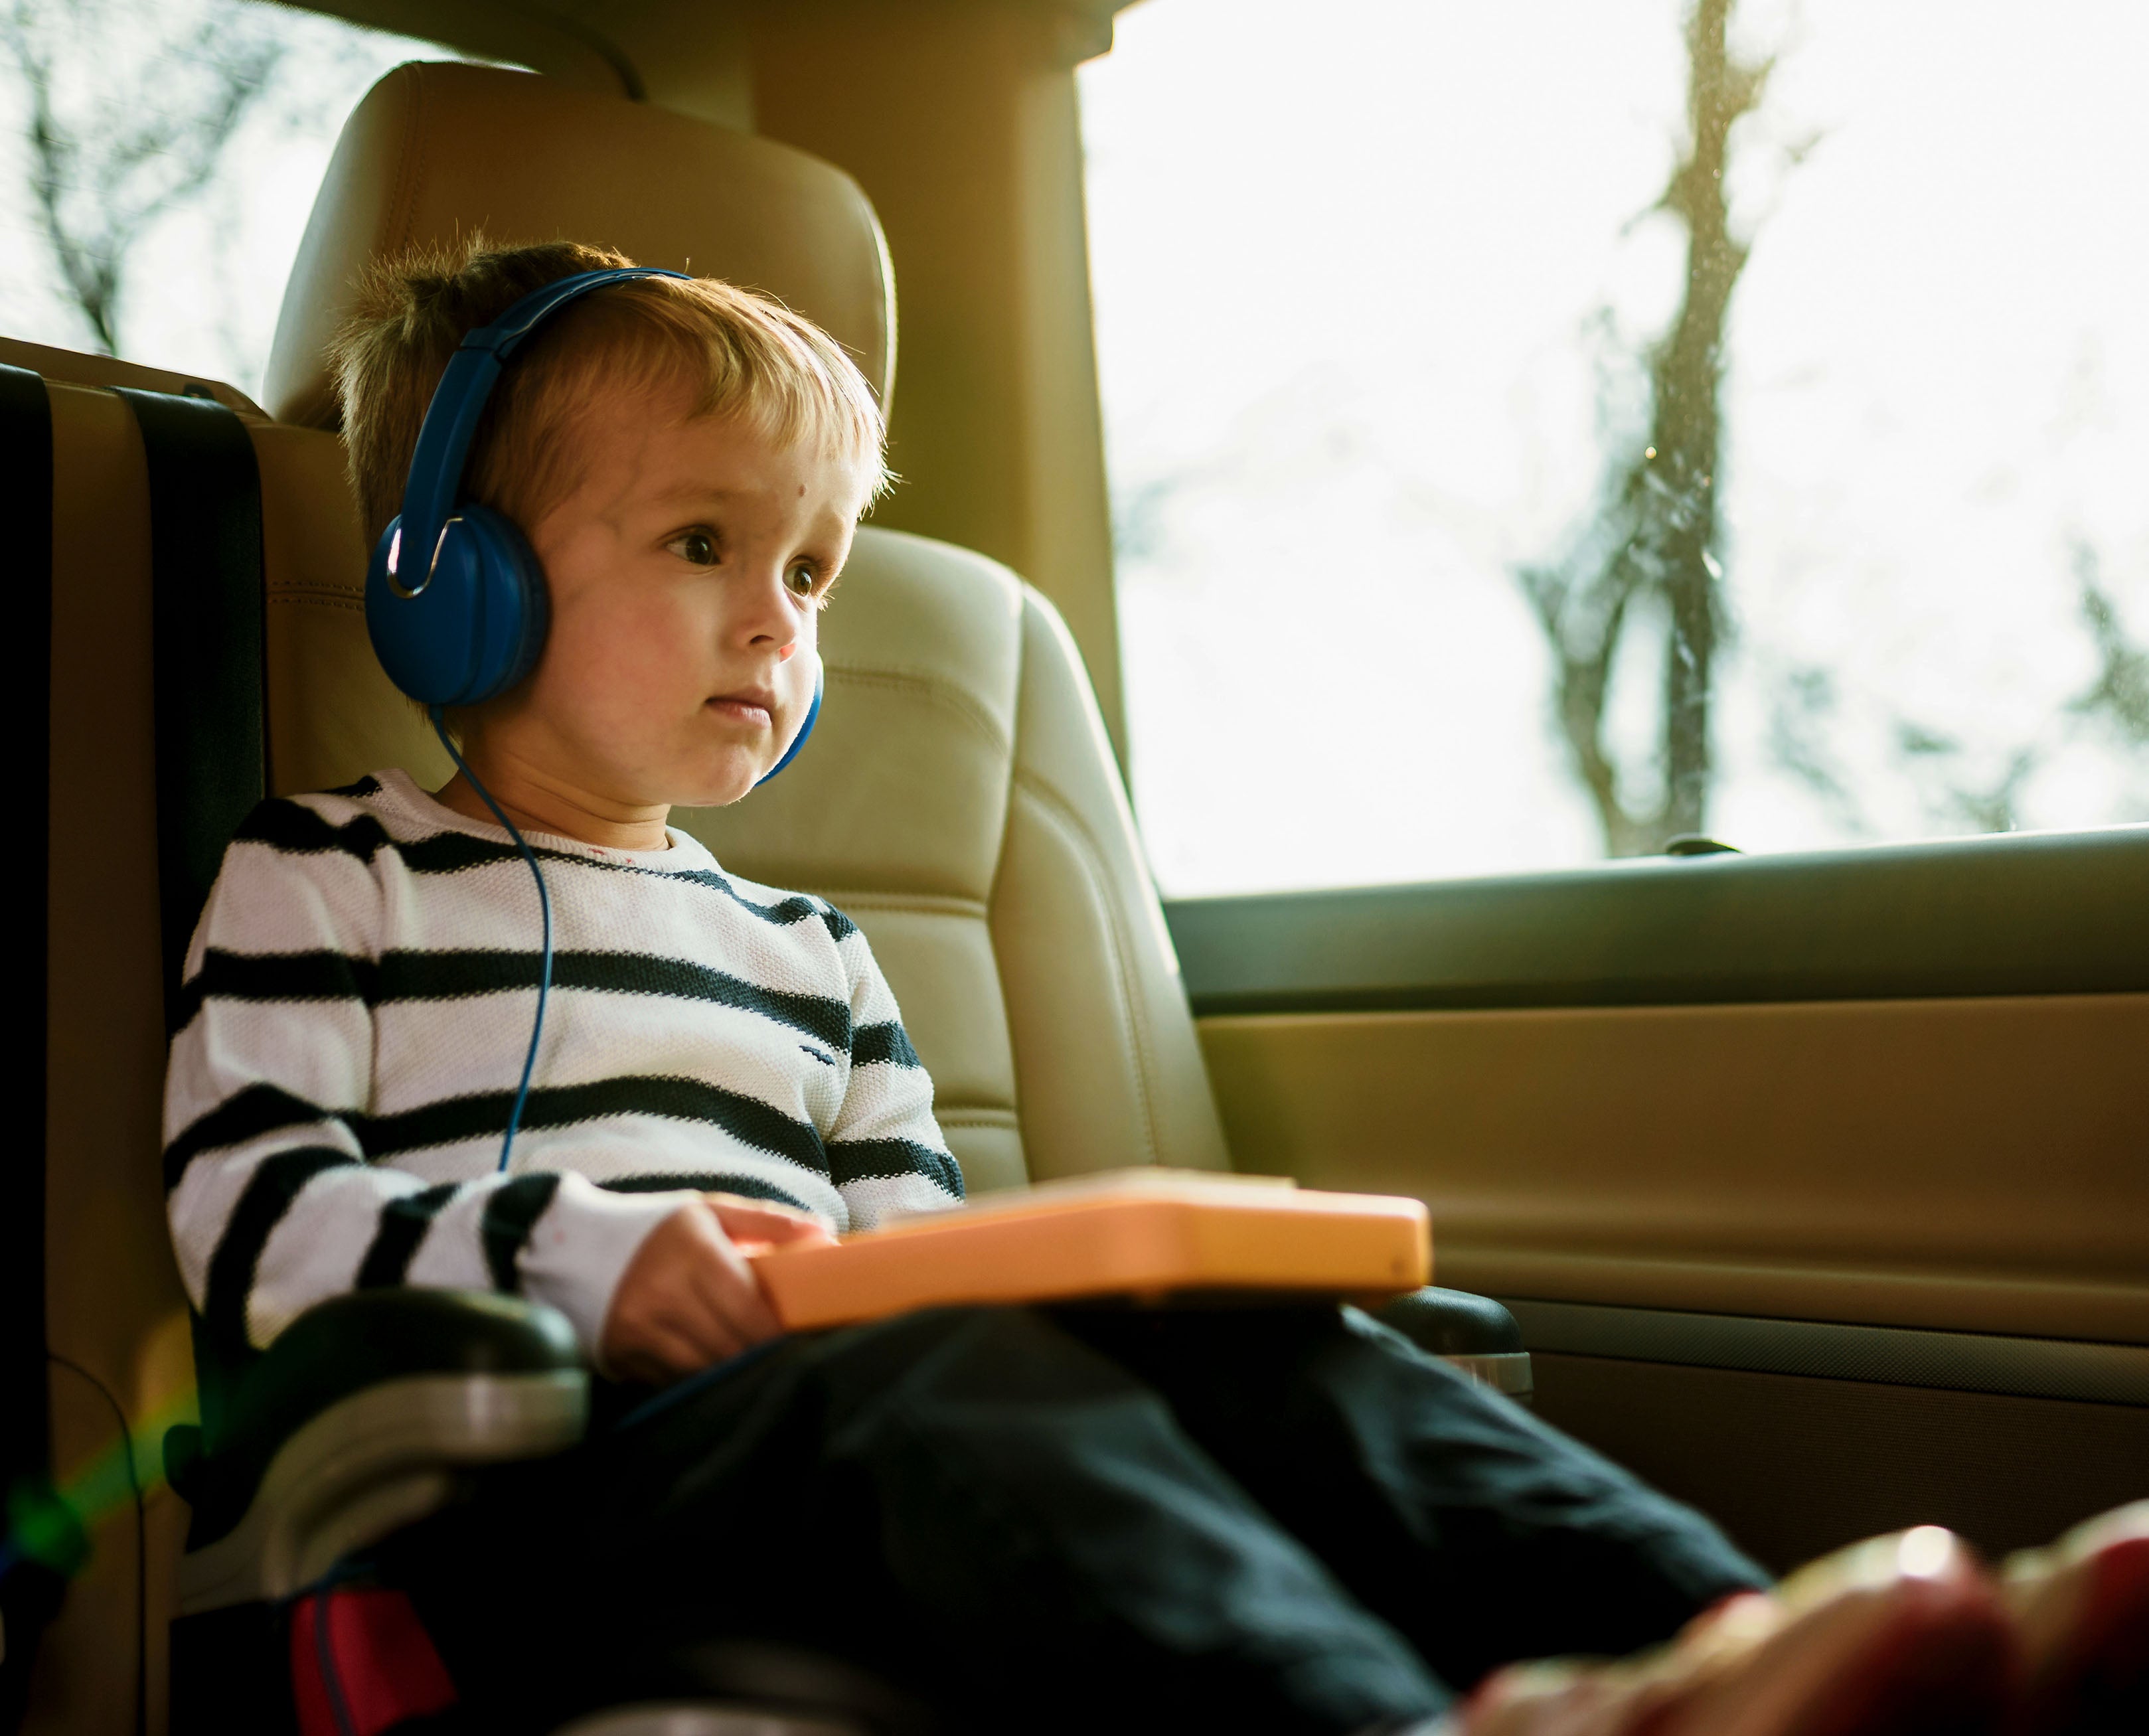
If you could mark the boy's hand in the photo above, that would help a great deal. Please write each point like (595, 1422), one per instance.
(689, 1297)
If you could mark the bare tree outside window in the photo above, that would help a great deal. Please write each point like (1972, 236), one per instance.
(1988, 797)
(2119, 696)
(1650, 555)
(131, 107)
(1643, 579)
(137, 119)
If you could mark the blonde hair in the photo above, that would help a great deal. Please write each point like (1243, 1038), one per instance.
(746, 355)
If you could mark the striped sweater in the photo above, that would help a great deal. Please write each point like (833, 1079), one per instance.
(356, 1007)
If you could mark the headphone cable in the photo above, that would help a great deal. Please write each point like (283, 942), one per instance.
(544, 906)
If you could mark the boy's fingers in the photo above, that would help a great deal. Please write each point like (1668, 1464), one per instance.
(759, 1211)
(697, 1330)
(756, 1220)
(656, 1328)
(707, 1334)
(690, 1299)
(659, 1354)
(733, 1307)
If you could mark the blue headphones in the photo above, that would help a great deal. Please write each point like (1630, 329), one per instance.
(454, 597)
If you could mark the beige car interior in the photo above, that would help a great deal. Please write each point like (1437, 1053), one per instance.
(1970, 1171)
(961, 800)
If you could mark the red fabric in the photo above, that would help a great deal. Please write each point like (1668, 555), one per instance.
(386, 1667)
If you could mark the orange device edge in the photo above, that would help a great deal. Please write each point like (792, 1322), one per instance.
(1141, 1234)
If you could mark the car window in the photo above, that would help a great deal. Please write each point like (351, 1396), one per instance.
(1537, 431)
(157, 161)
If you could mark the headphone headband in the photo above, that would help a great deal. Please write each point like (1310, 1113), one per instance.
(459, 401)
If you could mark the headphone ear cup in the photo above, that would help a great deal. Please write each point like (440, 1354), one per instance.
(461, 622)
(516, 612)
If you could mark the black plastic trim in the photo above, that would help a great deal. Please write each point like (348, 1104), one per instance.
(1453, 1323)
(205, 548)
(341, 1347)
(206, 633)
(25, 498)
(2059, 912)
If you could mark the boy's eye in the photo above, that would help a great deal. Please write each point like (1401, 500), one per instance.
(800, 578)
(697, 547)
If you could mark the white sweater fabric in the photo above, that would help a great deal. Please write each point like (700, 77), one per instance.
(356, 1007)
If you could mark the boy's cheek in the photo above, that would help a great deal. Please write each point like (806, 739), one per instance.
(610, 656)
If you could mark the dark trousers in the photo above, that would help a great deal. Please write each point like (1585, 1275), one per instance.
(1269, 1519)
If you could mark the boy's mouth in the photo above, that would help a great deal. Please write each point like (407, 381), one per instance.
(754, 706)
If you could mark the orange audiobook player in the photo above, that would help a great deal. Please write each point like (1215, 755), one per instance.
(1148, 1234)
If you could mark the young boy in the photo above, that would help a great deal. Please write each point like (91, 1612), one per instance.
(1280, 1520)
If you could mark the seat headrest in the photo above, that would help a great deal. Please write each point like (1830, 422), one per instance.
(436, 151)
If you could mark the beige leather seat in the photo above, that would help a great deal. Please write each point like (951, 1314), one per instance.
(960, 801)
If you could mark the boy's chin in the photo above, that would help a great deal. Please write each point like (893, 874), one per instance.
(719, 788)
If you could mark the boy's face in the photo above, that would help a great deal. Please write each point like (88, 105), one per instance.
(687, 570)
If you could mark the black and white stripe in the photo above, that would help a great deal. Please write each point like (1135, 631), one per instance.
(355, 1009)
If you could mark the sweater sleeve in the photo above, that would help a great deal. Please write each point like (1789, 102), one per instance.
(273, 1202)
(886, 1152)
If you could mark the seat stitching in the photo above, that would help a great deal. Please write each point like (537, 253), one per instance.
(1050, 802)
(923, 904)
(349, 605)
(408, 181)
(999, 861)
(977, 1117)
(1014, 755)
(883, 281)
(931, 688)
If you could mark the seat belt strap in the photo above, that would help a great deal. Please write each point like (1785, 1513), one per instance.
(26, 508)
(212, 750)
(205, 548)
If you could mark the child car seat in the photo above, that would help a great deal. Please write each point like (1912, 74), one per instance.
(960, 802)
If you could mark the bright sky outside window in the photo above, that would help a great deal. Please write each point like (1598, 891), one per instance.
(1378, 284)
(189, 136)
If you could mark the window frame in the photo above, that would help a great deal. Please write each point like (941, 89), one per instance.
(2024, 914)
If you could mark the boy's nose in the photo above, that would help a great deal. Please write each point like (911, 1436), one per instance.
(769, 616)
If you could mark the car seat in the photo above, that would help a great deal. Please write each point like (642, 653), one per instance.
(960, 803)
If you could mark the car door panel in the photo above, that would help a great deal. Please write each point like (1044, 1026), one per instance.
(1819, 1184)
(1973, 1164)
